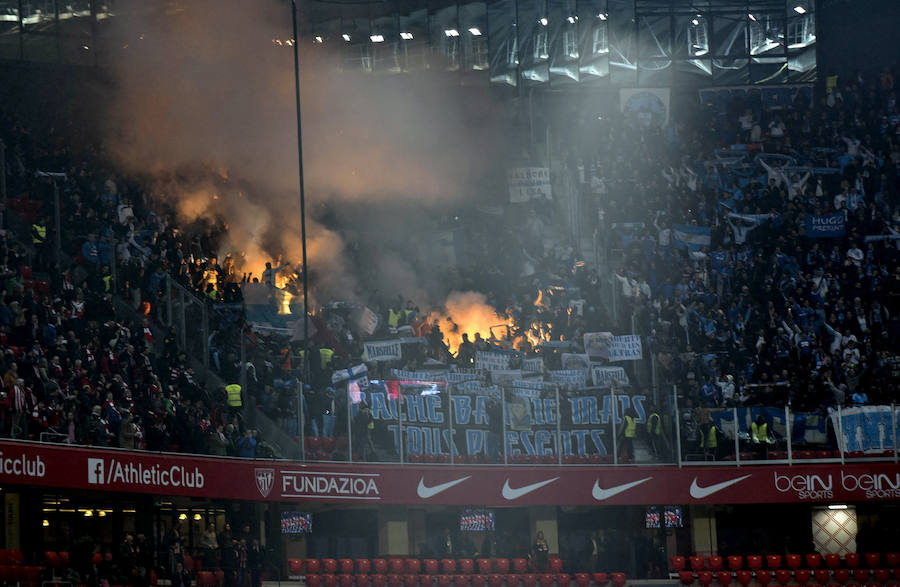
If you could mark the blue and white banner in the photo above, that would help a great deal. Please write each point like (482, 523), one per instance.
(625, 348)
(529, 183)
(419, 375)
(492, 360)
(460, 376)
(535, 365)
(692, 237)
(808, 428)
(569, 377)
(574, 361)
(826, 226)
(382, 350)
(864, 429)
(356, 373)
(595, 344)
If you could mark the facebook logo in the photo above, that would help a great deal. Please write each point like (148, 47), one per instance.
(95, 472)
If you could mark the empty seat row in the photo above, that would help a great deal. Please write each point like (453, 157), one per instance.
(784, 576)
(463, 580)
(773, 562)
(414, 566)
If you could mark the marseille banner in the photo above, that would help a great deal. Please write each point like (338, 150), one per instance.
(604, 376)
(387, 350)
(625, 348)
(826, 226)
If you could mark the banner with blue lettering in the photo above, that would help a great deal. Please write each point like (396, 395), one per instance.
(826, 226)
(587, 420)
(625, 348)
(864, 429)
(383, 350)
(810, 428)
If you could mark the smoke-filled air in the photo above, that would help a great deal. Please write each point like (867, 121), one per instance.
(204, 109)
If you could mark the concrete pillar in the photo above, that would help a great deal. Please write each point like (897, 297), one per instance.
(704, 540)
(394, 536)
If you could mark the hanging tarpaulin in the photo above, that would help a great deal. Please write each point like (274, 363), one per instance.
(864, 429)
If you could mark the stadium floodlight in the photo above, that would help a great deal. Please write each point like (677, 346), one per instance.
(602, 16)
(377, 38)
(346, 37)
(800, 9)
(572, 19)
(543, 21)
(406, 36)
(753, 18)
(695, 22)
(475, 31)
(451, 32)
(318, 39)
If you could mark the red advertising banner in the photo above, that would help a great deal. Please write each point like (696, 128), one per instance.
(49, 465)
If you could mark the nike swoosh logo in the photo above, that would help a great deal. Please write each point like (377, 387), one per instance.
(510, 493)
(601, 494)
(698, 492)
(425, 492)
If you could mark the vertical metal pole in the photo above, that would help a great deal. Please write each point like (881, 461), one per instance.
(57, 239)
(243, 355)
(301, 420)
(181, 323)
(894, 429)
(3, 171)
(787, 426)
(349, 425)
(450, 414)
(503, 438)
(21, 29)
(560, 446)
(653, 378)
(400, 424)
(615, 440)
(302, 191)
(839, 434)
(205, 333)
(114, 266)
(677, 424)
(737, 431)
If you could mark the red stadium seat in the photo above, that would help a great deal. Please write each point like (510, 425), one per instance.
(873, 559)
(715, 563)
(379, 580)
(220, 578)
(735, 562)
(444, 580)
(852, 559)
(206, 579)
(891, 559)
(754, 562)
(744, 577)
(832, 560)
(802, 576)
(363, 566)
(764, 577)
(881, 576)
(686, 577)
(677, 563)
(783, 576)
(396, 566)
(346, 566)
(555, 564)
(312, 566)
(512, 580)
(295, 566)
(329, 580)
(860, 575)
(313, 443)
(546, 579)
(793, 561)
(430, 566)
(822, 576)
(495, 580)
(842, 576)
(460, 580)
(617, 579)
(345, 580)
(501, 565)
(582, 579)
(813, 561)
(705, 578)
(478, 580)
(529, 580)
(697, 563)
(773, 561)
(563, 579)
(724, 578)
(484, 566)
(519, 565)
(329, 566)
(413, 580)
(448, 566)
(600, 579)
(363, 580)
(466, 566)
(394, 580)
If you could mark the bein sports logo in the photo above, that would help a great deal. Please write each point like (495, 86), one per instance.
(265, 480)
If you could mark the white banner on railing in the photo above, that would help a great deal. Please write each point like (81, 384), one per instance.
(625, 348)
(383, 350)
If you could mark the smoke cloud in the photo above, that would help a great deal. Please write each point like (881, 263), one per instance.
(210, 88)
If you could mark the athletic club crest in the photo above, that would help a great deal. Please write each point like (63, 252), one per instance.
(265, 479)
